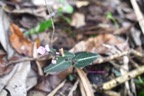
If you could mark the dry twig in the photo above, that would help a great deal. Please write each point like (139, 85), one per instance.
(113, 83)
(138, 14)
(98, 61)
(105, 59)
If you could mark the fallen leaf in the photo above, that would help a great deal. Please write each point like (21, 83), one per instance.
(96, 44)
(21, 44)
(131, 16)
(39, 12)
(78, 20)
(15, 81)
(4, 39)
(47, 84)
(36, 93)
(16, 1)
(5, 79)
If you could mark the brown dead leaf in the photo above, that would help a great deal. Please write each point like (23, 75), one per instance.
(21, 44)
(97, 43)
(78, 20)
(47, 84)
(16, 1)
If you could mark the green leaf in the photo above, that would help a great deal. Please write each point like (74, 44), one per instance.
(68, 54)
(52, 50)
(139, 80)
(71, 77)
(109, 15)
(40, 28)
(62, 1)
(84, 58)
(62, 64)
(68, 9)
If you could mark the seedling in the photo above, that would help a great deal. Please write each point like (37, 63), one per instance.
(110, 16)
(78, 60)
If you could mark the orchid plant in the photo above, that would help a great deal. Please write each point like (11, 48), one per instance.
(63, 60)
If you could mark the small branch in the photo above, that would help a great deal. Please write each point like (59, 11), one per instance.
(41, 57)
(52, 36)
(98, 61)
(105, 59)
(115, 82)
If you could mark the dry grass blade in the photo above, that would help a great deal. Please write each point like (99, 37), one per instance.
(83, 93)
(85, 82)
(138, 14)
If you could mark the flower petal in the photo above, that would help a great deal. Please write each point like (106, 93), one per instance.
(41, 50)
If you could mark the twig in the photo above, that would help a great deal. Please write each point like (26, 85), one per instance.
(98, 61)
(105, 59)
(138, 14)
(49, 10)
(113, 83)
(24, 60)
(52, 93)
(73, 88)
(116, 65)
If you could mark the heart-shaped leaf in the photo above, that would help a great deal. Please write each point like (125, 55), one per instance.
(84, 58)
(62, 64)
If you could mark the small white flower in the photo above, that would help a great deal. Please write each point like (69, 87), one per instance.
(57, 53)
(47, 48)
(53, 61)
